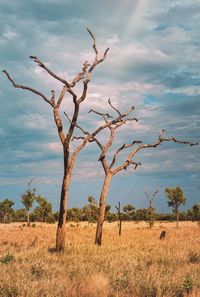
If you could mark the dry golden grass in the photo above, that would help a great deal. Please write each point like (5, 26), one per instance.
(137, 264)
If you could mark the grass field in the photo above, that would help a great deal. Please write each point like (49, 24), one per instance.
(137, 264)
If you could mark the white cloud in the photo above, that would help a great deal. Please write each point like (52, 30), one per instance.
(53, 146)
(10, 34)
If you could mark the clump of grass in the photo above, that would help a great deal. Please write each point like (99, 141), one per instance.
(37, 271)
(7, 259)
(187, 284)
(8, 291)
(193, 257)
(148, 289)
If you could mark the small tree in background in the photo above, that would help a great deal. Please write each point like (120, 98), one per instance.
(194, 213)
(151, 210)
(74, 214)
(175, 198)
(6, 211)
(20, 215)
(43, 210)
(91, 209)
(27, 199)
(141, 214)
(129, 210)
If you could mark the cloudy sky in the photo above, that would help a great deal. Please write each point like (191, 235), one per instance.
(153, 64)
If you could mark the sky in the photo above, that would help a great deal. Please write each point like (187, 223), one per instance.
(153, 64)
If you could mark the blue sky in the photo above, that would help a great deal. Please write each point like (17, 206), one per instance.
(153, 64)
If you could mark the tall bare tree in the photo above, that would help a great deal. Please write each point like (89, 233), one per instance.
(113, 124)
(65, 136)
(150, 206)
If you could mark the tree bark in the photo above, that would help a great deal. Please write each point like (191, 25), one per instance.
(28, 218)
(120, 225)
(60, 235)
(177, 218)
(102, 207)
(150, 218)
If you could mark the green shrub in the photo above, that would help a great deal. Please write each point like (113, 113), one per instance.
(7, 259)
(8, 291)
(50, 219)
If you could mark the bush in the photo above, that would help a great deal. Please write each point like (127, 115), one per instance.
(8, 291)
(193, 257)
(50, 219)
(7, 259)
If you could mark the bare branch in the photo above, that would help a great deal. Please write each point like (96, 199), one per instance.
(132, 119)
(27, 88)
(87, 73)
(77, 137)
(124, 146)
(53, 96)
(62, 94)
(59, 125)
(119, 113)
(141, 146)
(161, 139)
(80, 75)
(76, 125)
(154, 194)
(99, 144)
(131, 162)
(96, 59)
(99, 113)
(118, 207)
(147, 195)
(94, 43)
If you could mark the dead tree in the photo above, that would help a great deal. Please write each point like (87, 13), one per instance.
(113, 124)
(119, 217)
(150, 207)
(65, 135)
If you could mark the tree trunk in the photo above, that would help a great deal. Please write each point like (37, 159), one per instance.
(102, 207)
(120, 225)
(28, 218)
(150, 218)
(60, 235)
(177, 217)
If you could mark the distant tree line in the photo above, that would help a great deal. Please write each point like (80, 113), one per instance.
(43, 212)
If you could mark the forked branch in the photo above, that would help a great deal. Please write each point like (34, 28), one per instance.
(27, 88)
(151, 198)
(157, 143)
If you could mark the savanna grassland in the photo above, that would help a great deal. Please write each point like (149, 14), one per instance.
(136, 264)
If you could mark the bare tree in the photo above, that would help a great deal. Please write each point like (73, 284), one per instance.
(69, 156)
(109, 169)
(120, 218)
(150, 207)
